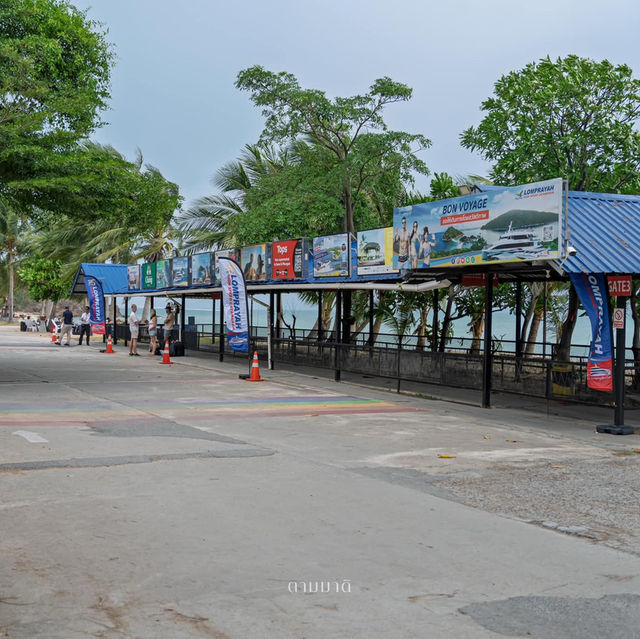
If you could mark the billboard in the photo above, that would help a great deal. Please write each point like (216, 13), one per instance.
(253, 261)
(201, 269)
(290, 259)
(375, 251)
(163, 273)
(506, 224)
(232, 254)
(149, 276)
(331, 255)
(180, 271)
(133, 277)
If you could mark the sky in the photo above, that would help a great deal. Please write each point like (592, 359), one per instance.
(173, 93)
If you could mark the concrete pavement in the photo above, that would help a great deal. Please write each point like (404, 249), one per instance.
(178, 501)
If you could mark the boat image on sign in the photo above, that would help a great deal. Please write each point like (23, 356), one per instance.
(522, 244)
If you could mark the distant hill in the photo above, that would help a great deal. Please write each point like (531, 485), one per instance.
(520, 218)
(451, 233)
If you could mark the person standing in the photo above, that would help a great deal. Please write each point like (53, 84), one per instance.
(169, 321)
(134, 324)
(67, 326)
(153, 331)
(85, 325)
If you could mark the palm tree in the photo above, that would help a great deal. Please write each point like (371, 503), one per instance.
(10, 228)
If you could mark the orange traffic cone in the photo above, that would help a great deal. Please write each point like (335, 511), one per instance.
(165, 354)
(255, 369)
(109, 345)
(54, 337)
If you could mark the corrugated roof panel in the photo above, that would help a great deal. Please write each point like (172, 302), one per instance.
(113, 277)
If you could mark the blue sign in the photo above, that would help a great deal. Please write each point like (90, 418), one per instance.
(96, 304)
(234, 301)
(592, 291)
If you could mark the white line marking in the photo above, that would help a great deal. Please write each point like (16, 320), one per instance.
(32, 438)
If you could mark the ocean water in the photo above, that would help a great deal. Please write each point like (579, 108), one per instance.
(503, 325)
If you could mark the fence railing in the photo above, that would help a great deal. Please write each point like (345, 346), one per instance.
(459, 366)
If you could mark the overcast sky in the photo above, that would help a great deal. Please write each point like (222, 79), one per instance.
(173, 92)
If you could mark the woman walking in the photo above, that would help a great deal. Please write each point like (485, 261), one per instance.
(153, 332)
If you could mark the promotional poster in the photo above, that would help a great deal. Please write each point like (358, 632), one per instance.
(133, 277)
(96, 305)
(506, 224)
(375, 251)
(149, 276)
(253, 260)
(592, 291)
(163, 273)
(201, 269)
(234, 301)
(180, 271)
(331, 255)
(232, 254)
(289, 259)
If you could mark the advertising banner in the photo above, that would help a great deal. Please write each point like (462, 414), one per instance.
(201, 269)
(163, 273)
(506, 224)
(592, 291)
(149, 276)
(253, 260)
(375, 251)
(133, 277)
(96, 304)
(232, 254)
(331, 255)
(180, 271)
(289, 259)
(234, 301)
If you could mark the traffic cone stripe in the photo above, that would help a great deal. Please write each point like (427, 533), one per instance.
(255, 369)
(165, 354)
(109, 345)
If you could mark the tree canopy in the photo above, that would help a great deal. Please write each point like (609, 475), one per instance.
(54, 82)
(572, 117)
(358, 150)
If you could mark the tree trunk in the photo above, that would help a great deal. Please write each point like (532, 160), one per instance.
(536, 290)
(348, 225)
(11, 284)
(563, 354)
(533, 332)
(146, 309)
(446, 320)
(422, 328)
(477, 329)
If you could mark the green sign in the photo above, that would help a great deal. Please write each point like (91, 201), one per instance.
(149, 276)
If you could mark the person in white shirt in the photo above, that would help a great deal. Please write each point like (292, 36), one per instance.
(134, 323)
(85, 325)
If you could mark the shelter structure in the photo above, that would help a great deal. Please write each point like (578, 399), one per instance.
(602, 235)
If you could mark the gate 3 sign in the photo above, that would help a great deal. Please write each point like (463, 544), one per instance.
(510, 224)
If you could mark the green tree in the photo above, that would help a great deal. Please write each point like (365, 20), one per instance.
(44, 279)
(352, 131)
(572, 117)
(10, 236)
(54, 81)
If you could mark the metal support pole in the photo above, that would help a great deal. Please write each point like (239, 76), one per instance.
(114, 320)
(338, 336)
(221, 341)
(544, 323)
(487, 359)
(434, 323)
(270, 328)
(346, 327)
(126, 319)
(518, 319)
(620, 363)
(320, 327)
(182, 313)
(213, 321)
(278, 315)
(152, 301)
(371, 320)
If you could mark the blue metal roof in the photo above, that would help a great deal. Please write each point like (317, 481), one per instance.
(604, 228)
(113, 278)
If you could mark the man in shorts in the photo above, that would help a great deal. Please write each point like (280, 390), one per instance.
(134, 324)
(67, 326)
(169, 322)
(403, 236)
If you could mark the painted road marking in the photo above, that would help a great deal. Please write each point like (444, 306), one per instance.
(32, 438)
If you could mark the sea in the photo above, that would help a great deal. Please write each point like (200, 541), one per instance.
(199, 311)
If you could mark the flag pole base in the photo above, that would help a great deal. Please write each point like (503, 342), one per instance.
(615, 430)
